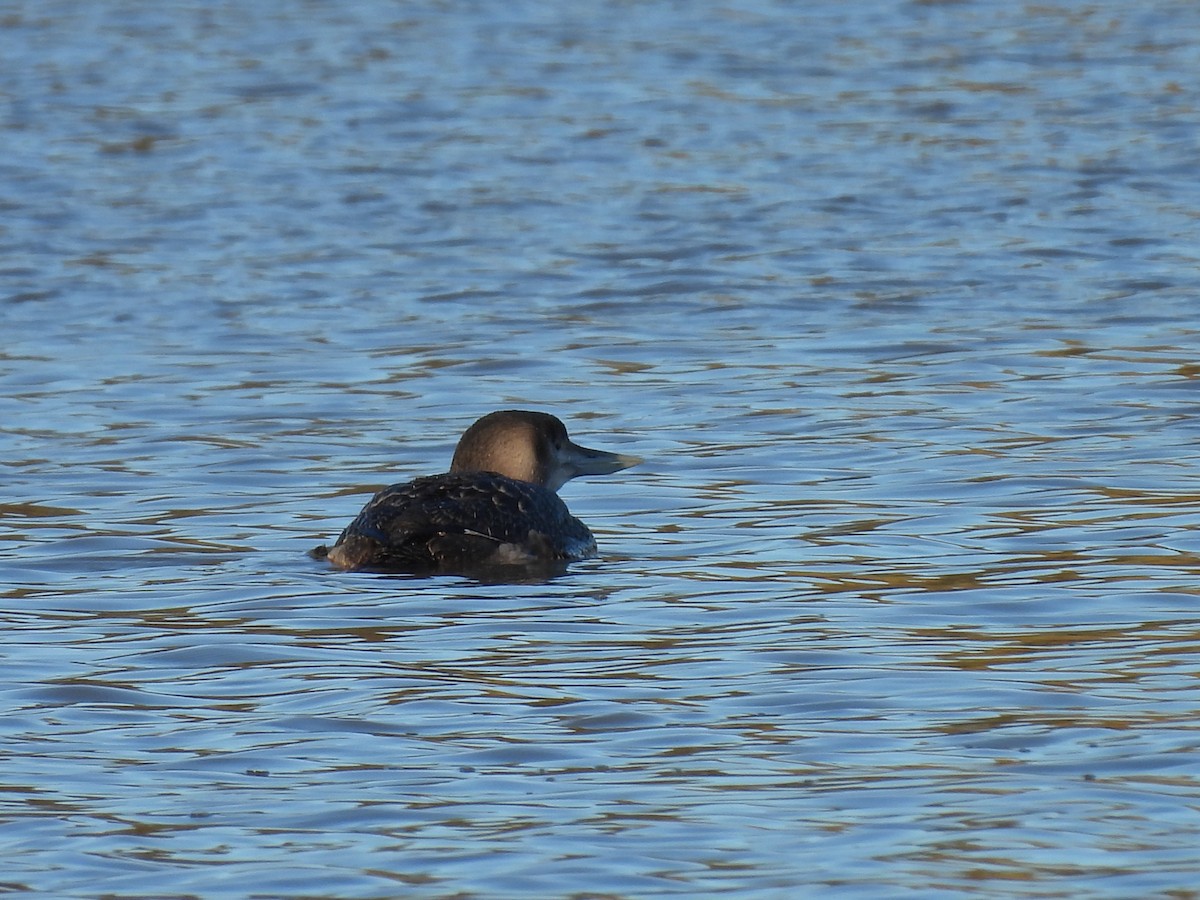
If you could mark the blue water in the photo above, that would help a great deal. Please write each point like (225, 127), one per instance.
(897, 301)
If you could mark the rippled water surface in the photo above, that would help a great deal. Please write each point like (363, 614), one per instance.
(897, 300)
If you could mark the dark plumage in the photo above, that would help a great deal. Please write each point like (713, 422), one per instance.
(496, 507)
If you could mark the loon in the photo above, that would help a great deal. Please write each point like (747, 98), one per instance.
(497, 506)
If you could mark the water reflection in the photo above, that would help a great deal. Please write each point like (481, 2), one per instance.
(897, 302)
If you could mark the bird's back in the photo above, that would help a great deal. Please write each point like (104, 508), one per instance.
(462, 521)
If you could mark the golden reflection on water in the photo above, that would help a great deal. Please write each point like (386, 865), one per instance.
(902, 601)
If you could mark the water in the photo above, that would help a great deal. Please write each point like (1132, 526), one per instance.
(896, 300)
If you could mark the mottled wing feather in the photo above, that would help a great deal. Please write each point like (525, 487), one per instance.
(459, 521)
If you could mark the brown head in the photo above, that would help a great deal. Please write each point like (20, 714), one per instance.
(531, 446)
